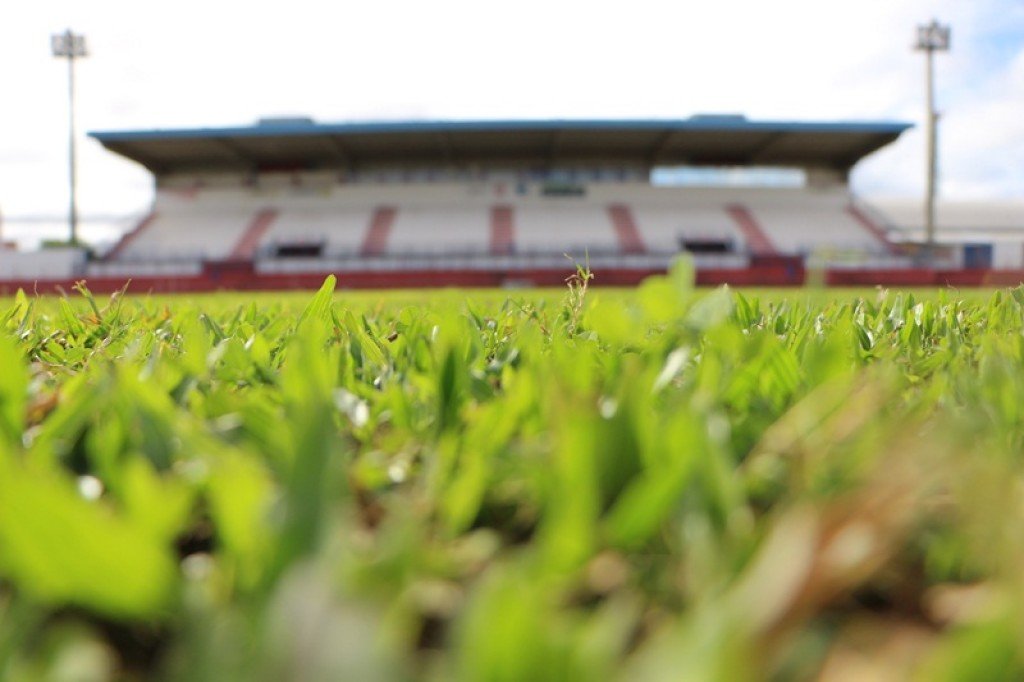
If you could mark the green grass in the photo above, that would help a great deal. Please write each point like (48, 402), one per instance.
(649, 484)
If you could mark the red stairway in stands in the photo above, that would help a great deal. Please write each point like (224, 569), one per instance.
(502, 231)
(375, 243)
(128, 237)
(871, 226)
(753, 234)
(247, 244)
(625, 229)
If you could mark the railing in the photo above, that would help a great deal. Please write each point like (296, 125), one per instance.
(143, 268)
(450, 262)
(483, 259)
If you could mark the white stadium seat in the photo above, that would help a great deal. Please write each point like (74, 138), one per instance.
(397, 220)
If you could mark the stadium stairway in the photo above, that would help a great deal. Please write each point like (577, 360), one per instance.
(247, 244)
(753, 234)
(871, 226)
(502, 231)
(128, 237)
(375, 243)
(625, 229)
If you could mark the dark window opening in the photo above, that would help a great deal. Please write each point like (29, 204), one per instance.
(706, 245)
(563, 189)
(299, 249)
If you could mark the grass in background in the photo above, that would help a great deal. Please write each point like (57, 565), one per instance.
(658, 483)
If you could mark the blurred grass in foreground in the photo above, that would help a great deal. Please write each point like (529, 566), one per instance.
(653, 484)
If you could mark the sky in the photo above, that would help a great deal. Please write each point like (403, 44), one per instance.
(199, 64)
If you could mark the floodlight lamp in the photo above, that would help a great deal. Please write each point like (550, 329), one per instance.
(933, 37)
(68, 44)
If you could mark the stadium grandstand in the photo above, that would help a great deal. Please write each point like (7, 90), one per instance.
(282, 203)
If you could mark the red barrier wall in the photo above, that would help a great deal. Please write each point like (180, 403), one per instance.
(771, 272)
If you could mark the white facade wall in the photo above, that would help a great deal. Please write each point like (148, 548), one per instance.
(43, 264)
(1008, 255)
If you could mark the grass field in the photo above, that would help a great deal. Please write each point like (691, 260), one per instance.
(653, 484)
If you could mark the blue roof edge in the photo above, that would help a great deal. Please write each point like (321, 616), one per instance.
(723, 123)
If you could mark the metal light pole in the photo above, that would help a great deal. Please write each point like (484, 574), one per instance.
(931, 38)
(70, 46)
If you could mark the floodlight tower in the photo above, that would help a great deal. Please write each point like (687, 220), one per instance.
(931, 38)
(71, 47)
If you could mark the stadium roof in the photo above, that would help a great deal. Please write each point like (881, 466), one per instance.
(700, 140)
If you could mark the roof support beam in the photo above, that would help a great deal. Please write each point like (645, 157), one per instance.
(860, 152)
(761, 150)
(341, 153)
(235, 151)
(444, 145)
(552, 153)
(659, 147)
(129, 150)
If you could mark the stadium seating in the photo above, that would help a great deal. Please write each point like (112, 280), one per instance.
(202, 225)
(246, 246)
(557, 228)
(811, 222)
(299, 227)
(340, 230)
(429, 230)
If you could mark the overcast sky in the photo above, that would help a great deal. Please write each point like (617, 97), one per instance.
(212, 63)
